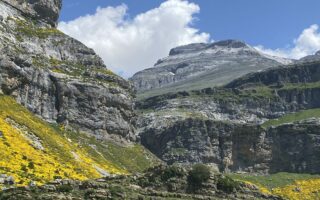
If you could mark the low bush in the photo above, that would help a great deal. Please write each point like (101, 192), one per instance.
(64, 188)
(227, 184)
(199, 174)
(172, 171)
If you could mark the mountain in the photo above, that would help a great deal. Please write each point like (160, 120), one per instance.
(236, 123)
(262, 123)
(33, 151)
(197, 66)
(63, 114)
(217, 125)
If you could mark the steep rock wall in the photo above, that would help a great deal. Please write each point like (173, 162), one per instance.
(236, 147)
(57, 77)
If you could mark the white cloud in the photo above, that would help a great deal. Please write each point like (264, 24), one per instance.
(130, 45)
(306, 44)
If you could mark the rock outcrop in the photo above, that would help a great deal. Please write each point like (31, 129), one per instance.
(57, 77)
(198, 66)
(42, 10)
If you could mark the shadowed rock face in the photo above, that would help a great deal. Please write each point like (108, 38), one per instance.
(44, 10)
(237, 147)
(57, 77)
(303, 72)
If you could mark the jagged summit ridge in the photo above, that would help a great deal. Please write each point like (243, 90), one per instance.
(211, 47)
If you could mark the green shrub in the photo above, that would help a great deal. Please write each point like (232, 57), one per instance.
(31, 165)
(227, 184)
(199, 174)
(88, 193)
(57, 177)
(115, 190)
(170, 172)
(24, 168)
(64, 188)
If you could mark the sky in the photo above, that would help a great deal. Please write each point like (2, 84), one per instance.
(131, 35)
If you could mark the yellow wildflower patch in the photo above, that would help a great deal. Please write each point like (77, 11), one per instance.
(22, 160)
(303, 189)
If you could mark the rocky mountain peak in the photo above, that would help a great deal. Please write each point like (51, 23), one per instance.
(197, 47)
(43, 10)
(318, 53)
(200, 65)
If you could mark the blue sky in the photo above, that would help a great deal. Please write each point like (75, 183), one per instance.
(273, 24)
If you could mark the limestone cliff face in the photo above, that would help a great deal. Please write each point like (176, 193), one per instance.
(239, 147)
(304, 72)
(226, 127)
(57, 77)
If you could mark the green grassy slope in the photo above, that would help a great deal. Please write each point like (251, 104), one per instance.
(294, 117)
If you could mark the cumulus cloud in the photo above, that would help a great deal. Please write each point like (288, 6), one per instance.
(128, 45)
(306, 44)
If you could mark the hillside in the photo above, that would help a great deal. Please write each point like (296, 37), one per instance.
(198, 66)
(63, 114)
(157, 183)
(31, 150)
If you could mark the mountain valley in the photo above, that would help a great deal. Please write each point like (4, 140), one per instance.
(210, 121)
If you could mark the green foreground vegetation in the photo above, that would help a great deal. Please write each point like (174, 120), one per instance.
(34, 150)
(274, 180)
